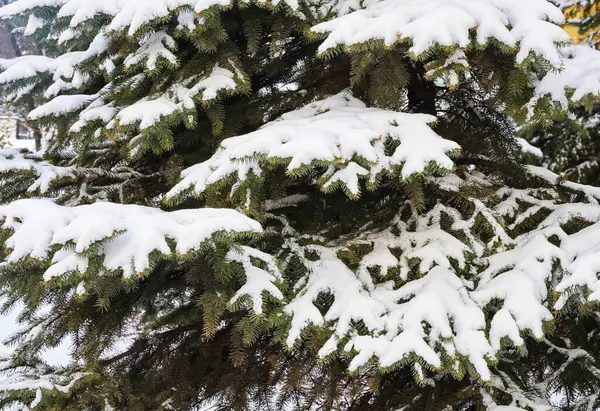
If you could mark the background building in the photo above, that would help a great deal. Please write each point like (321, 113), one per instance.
(583, 21)
(14, 132)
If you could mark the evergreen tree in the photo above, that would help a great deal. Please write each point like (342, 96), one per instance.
(298, 205)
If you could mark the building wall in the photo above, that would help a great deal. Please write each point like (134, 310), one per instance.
(9, 127)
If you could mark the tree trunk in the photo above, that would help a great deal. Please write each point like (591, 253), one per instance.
(37, 135)
(421, 92)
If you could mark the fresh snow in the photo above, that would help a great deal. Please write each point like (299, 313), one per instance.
(146, 112)
(219, 79)
(447, 23)
(125, 14)
(177, 99)
(23, 67)
(257, 279)
(61, 105)
(334, 131)
(156, 45)
(580, 73)
(127, 234)
(528, 148)
(436, 314)
(14, 160)
(33, 24)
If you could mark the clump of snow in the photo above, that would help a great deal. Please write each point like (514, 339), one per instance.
(153, 47)
(125, 14)
(23, 67)
(219, 79)
(97, 111)
(257, 279)
(334, 131)
(33, 24)
(177, 99)
(81, 11)
(528, 148)
(522, 288)
(531, 24)
(580, 73)
(146, 112)
(23, 6)
(126, 234)
(13, 160)
(61, 105)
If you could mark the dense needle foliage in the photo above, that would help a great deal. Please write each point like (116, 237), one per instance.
(315, 205)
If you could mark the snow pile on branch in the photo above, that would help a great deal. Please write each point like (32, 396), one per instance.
(579, 75)
(531, 24)
(61, 105)
(340, 132)
(56, 75)
(436, 316)
(28, 71)
(146, 112)
(421, 308)
(404, 323)
(178, 99)
(152, 48)
(258, 280)
(24, 67)
(14, 160)
(125, 14)
(34, 378)
(124, 235)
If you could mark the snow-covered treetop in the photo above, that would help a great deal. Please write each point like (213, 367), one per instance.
(339, 133)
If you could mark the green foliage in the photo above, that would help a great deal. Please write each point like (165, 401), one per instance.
(189, 340)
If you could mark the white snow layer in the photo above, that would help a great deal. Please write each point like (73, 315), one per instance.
(441, 315)
(528, 148)
(154, 46)
(448, 22)
(126, 14)
(531, 24)
(579, 74)
(177, 99)
(14, 160)
(334, 131)
(127, 234)
(436, 316)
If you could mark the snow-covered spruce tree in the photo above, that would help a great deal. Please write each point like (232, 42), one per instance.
(298, 205)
